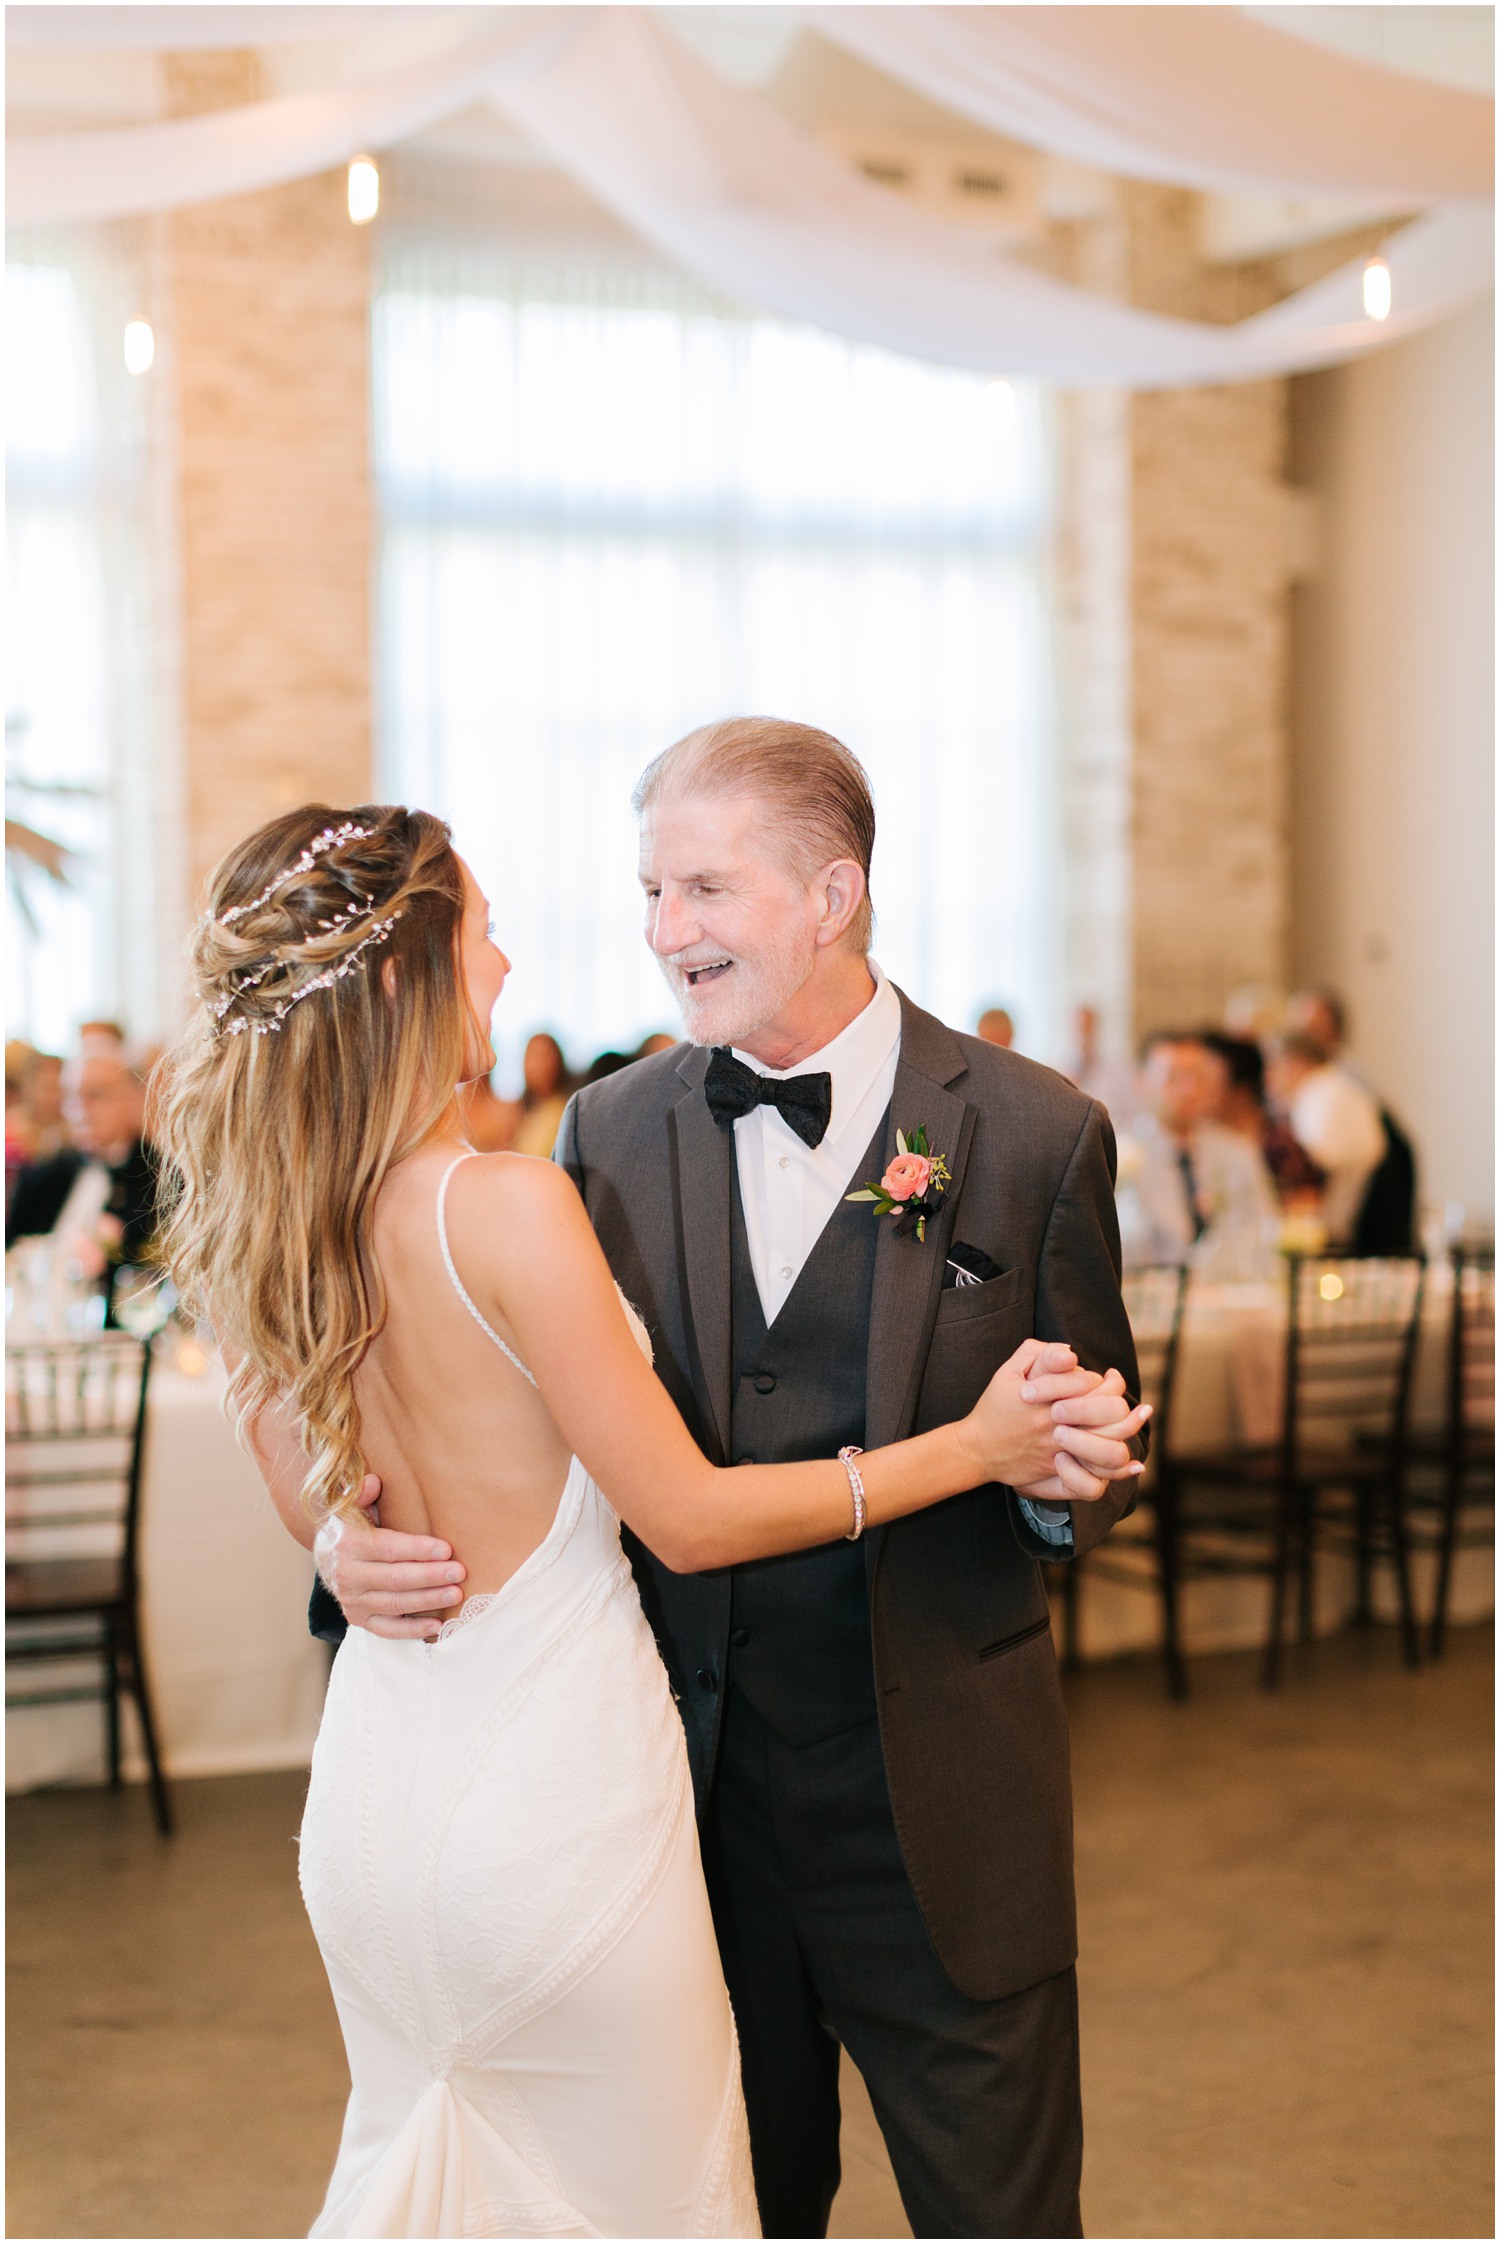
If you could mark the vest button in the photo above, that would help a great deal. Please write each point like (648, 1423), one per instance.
(744, 1460)
(765, 1383)
(739, 1637)
(708, 1679)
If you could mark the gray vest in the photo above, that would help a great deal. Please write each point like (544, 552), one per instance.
(799, 1641)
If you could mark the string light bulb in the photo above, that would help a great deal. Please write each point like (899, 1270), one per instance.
(140, 346)
(1377, 289)
(364, 189)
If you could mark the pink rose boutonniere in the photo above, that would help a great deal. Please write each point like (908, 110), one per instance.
(911, 1186)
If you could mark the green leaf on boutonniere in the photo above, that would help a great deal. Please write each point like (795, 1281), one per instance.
(869, 1193)
(901, 1144)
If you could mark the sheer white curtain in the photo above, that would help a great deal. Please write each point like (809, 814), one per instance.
(613, 509)
(75, 630)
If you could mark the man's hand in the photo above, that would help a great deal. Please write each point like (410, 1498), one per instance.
(393, 1585)
(1094, 1424)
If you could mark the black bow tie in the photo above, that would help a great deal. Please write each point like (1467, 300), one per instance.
(804, 1102)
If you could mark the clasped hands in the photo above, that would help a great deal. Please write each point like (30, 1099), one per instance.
(1044, 1426)
(1052, 1431)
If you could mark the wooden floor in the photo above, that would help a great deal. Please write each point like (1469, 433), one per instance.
(1286, 1914)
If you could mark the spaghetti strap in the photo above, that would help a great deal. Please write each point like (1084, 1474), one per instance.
(458, 1284)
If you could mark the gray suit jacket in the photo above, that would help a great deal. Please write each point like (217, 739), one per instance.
(971, 1715)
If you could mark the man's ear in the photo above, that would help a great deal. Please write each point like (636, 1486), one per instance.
(842, 888)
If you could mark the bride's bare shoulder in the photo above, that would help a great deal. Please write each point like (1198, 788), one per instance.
(524, 1193)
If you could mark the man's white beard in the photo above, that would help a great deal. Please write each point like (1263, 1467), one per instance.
(752, 994)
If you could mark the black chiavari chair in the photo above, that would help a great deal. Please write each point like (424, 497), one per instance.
(1335, 1477)
(1464, 1452)
(75, 1421)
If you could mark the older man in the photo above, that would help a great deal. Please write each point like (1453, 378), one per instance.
(876, 1730)
(102, 1189)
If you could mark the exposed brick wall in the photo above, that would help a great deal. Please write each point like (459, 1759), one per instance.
(1211, 553)
(269, 358)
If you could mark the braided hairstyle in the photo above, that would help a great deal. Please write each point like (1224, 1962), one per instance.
(309, 1067)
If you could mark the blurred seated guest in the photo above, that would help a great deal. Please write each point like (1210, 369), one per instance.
(996, 1027)
(658, 1041)
(1335, 1120)
(1386, 1223)
(104, 1037)
(42, 1084)
(490, 1122)
(544, 1094)
(607, 1063)
(1243, 1107)
(18, 1140)
(1109, 1081)
(98, 1196)
(1190, 1189)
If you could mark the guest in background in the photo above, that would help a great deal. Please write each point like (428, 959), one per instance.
(18, 1146)
(658, 1041)
(1111, 1082)
(607, 1063)
(98, 1196)
(1192, 1190)
(42, 1086)
(104, 1038)
(1336, 1121)
(1386, 1220)
(546, 1091)
(996, 1027)
(1243, 1107)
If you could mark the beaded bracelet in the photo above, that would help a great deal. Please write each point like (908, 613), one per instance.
(856, 1490)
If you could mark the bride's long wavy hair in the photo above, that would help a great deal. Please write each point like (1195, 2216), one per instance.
(306, 1071)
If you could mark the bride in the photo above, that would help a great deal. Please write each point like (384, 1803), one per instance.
(499, 1855)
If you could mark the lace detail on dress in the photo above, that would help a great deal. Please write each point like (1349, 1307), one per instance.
(470, 1610)
(458, 1284)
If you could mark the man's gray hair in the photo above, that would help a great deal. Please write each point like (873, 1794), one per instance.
(817, 792)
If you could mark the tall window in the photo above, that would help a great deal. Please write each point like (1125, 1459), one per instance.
(612, 510)
(75, 593)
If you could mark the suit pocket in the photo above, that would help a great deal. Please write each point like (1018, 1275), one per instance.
(1014, 1643)
(960, 1304)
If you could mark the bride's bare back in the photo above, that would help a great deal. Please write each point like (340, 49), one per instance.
(464, 1445)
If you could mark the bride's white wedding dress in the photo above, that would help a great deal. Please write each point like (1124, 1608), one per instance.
(501, 1865)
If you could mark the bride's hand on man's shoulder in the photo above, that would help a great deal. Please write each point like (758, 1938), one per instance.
(394, 1585)
(1052, 1430)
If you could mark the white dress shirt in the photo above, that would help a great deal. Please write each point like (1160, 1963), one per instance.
(789, 1190)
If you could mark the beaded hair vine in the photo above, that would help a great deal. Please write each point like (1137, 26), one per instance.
(332, 837)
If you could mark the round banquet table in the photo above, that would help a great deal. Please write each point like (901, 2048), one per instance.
(236, 1679)
(1229, 1375)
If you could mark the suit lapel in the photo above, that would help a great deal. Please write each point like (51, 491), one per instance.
(701, 1154)
(908, 1272)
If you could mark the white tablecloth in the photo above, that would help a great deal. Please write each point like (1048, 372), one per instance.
(236, 1679)
(1230, 1335)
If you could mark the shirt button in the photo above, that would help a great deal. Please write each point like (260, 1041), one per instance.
(786, 1270)
(744, 1460)
(765, 1383)
(785, 1162)
(708, 1679)
(739, 1638)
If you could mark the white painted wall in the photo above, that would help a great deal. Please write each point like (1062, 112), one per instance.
(1394, 736)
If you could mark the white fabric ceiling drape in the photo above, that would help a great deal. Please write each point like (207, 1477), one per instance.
(1193, 96)
(717, 179)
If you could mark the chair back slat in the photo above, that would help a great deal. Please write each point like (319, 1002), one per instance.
(1471, 1370)
(75, 1426)
(1350, 1343)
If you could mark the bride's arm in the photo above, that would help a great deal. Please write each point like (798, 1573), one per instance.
(529, 1256)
